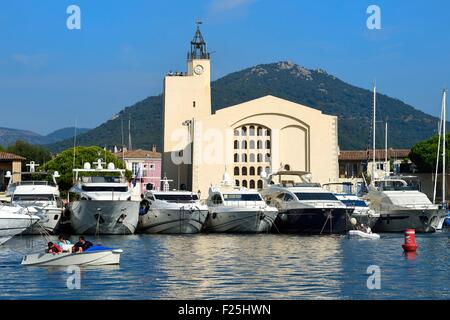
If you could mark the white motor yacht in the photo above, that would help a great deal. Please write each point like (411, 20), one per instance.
(13, 221)
(171, 211)
(238, 210)
(102, 203)
(402, 206)
(304, 207)
(38, 190)
(361, 210)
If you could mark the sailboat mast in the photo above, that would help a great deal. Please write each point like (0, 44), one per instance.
(444, 119)
(374, 131)
(386, 147)
(438, 155)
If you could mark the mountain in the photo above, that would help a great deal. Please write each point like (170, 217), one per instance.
(10, 136)
(314, 88)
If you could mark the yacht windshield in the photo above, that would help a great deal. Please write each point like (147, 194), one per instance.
(394, 185)
(99, 179)
(104, 189)
(177, 197)
(242, 197)
(33, 197)
(354, 203)
(315, 196)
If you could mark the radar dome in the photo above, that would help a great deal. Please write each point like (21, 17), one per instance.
(111, 166)
(87, 166)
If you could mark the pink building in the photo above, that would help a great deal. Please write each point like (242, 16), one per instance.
(145, 166)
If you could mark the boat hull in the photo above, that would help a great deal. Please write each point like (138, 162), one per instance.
(14, 224)
(173, 221)
(401, 219)
(366, 219)
(49, 221)
(312, 221)
(241, 220)
(104, 217)
(97, 258)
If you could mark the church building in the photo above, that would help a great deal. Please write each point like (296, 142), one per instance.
(266, 134)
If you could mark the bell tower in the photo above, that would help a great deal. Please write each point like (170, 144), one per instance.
(187, 98)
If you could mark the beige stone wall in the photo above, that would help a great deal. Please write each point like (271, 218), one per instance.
(301, 137)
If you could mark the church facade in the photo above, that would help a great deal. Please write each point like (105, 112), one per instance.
(265, 134)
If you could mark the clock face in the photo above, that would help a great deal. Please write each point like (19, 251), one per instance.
(198, 69)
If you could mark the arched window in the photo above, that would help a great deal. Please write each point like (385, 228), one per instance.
(268, 144)
(252, 184)
(260, 144)
(236, 171)
(287, 167)
(244, 171)
(268, 132)
(236, 183)
(236, 144)
(236, 133)
(244, 145)
(252, 144)
(236, 157)
(267, 169)
(244, 131)
(259, 131)
(267, 157)
(252, 171)
(259, 158)
(244, 158)
(244, 183)
(260, 184)
(252, 131)
(259, 170)
(252, 157)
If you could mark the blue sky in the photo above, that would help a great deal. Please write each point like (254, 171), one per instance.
(50, 75)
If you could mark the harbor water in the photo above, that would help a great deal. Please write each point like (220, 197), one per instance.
(265, 266)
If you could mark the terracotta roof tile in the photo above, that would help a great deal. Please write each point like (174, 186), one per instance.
(10, 156)
(139, 153)
(362, 155)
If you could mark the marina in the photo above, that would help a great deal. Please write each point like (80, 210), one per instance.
(147, 163)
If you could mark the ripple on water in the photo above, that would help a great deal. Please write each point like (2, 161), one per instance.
(239, 267)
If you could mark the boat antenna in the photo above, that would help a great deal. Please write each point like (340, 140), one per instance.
(129, 132)
(386, 148)
(123, 151)
(74, 143)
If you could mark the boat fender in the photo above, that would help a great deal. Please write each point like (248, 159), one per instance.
(284, 217)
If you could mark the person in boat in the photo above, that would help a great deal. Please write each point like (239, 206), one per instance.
(53, 248)
(64, 244)
(144, 206)
(82, 245)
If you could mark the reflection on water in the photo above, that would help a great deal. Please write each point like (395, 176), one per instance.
(238, 266)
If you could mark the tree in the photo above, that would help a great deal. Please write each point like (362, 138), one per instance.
(63, 163)
(31, 152)
(423, 154)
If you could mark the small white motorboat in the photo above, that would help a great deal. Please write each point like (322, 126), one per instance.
(362, 234)
(94, 256)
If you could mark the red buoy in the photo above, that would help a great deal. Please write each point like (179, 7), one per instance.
(410, 241)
